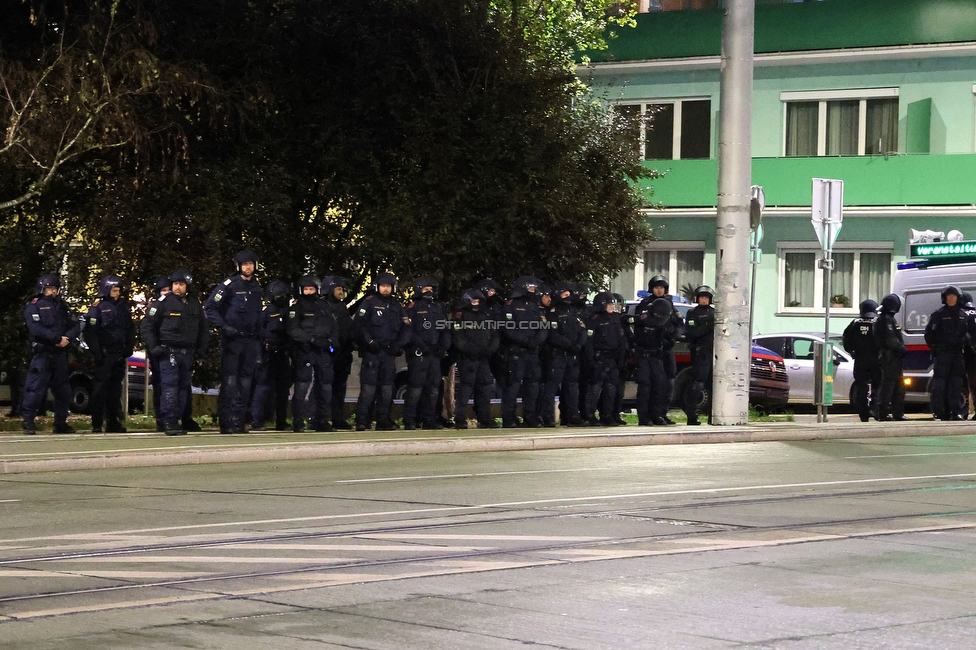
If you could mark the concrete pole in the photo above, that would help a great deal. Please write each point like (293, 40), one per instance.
(733, 348)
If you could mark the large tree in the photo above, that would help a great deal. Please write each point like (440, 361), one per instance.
(426, 136)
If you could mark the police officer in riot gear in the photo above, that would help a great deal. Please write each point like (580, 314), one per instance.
(50, 328)
(860, 340)
(160, 289)
(334, 290)
(234, 308)
(561, 359)
(474, 340)
(891, 351)
(273, 377)
(969, 361)
(313, 331)
(110, 336)
(175, 331)
(654, 334)
(606, 341)
(382, 329)
(627, 322)
(522, 337)
(659, 287)
(946, 335)
(700, 332)
(429, 341)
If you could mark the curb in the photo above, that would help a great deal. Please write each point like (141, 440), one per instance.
(344, 449)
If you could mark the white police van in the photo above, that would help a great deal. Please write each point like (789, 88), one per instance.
(919, 283)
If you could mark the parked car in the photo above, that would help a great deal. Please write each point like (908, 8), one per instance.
(796, 348)
(80, 365)
(769, 385)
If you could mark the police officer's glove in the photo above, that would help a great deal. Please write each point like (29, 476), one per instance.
(374, 347)
(158, 351)
(229, 331)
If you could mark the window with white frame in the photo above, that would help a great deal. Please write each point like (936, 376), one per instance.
(859, 274)
(840, 122)
(671, 129)
(683, 263)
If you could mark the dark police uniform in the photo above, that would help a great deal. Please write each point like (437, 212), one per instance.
(48, 321)
(382, 328)
(475, 339)
(342, 359)
(891, 351)
(111, 336)
(429, 341)
(273, 377)
(175, 332)
(946, 335)
(606, 341)
(313, 331)
(700, 333)
(522, 337)
(859, 339)
(561, 360)
(654, 337)
(235, 308)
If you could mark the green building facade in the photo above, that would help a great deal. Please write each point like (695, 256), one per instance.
(878, 93)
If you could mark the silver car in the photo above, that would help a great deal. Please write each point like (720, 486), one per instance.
(796, 348)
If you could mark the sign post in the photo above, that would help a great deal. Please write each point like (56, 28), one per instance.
(756, 206)
(827, 218)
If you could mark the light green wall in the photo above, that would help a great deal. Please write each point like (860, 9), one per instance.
(948, 83)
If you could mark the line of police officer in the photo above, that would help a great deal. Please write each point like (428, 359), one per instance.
(875, 341)
(538, 344)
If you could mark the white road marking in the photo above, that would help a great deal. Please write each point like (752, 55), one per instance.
(934, 453)
(442, 567)
(197, 559)
(357, 547)
(9, 500)
(441, 476)
(508, 504)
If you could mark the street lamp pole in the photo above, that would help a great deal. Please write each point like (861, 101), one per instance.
(733, 349)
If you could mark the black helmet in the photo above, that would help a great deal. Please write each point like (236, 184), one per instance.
(704, 290)
(308, 281)
(468, 296)
(657, 281)
(967, 300)
(891, 304)
(330, 282)
(384, 278)
(582, 292)
(601, 301)
(108, 283)
(560, 289)
(162, 282)
(524, 285)
(277, 290)
(418, 287)
(544, 290)
(245, 256)
(661, 310)
(869, 308)
(180, 275)
(47, 280)
(951, 289)
(488, 284)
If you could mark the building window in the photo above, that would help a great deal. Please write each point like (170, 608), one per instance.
(841, 123)
(682, 263)
(671, 129)
(858, 275)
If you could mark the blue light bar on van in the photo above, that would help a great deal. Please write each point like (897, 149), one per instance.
(901, 266)
(943, 249)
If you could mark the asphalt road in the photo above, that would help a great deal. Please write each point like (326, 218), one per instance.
(830, 544)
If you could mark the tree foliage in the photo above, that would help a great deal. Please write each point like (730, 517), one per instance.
(81, 77)
(444, 137)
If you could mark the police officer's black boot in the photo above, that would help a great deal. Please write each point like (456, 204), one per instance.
(174, 429)
(30, 428)
(63, 427)
(114, 427)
